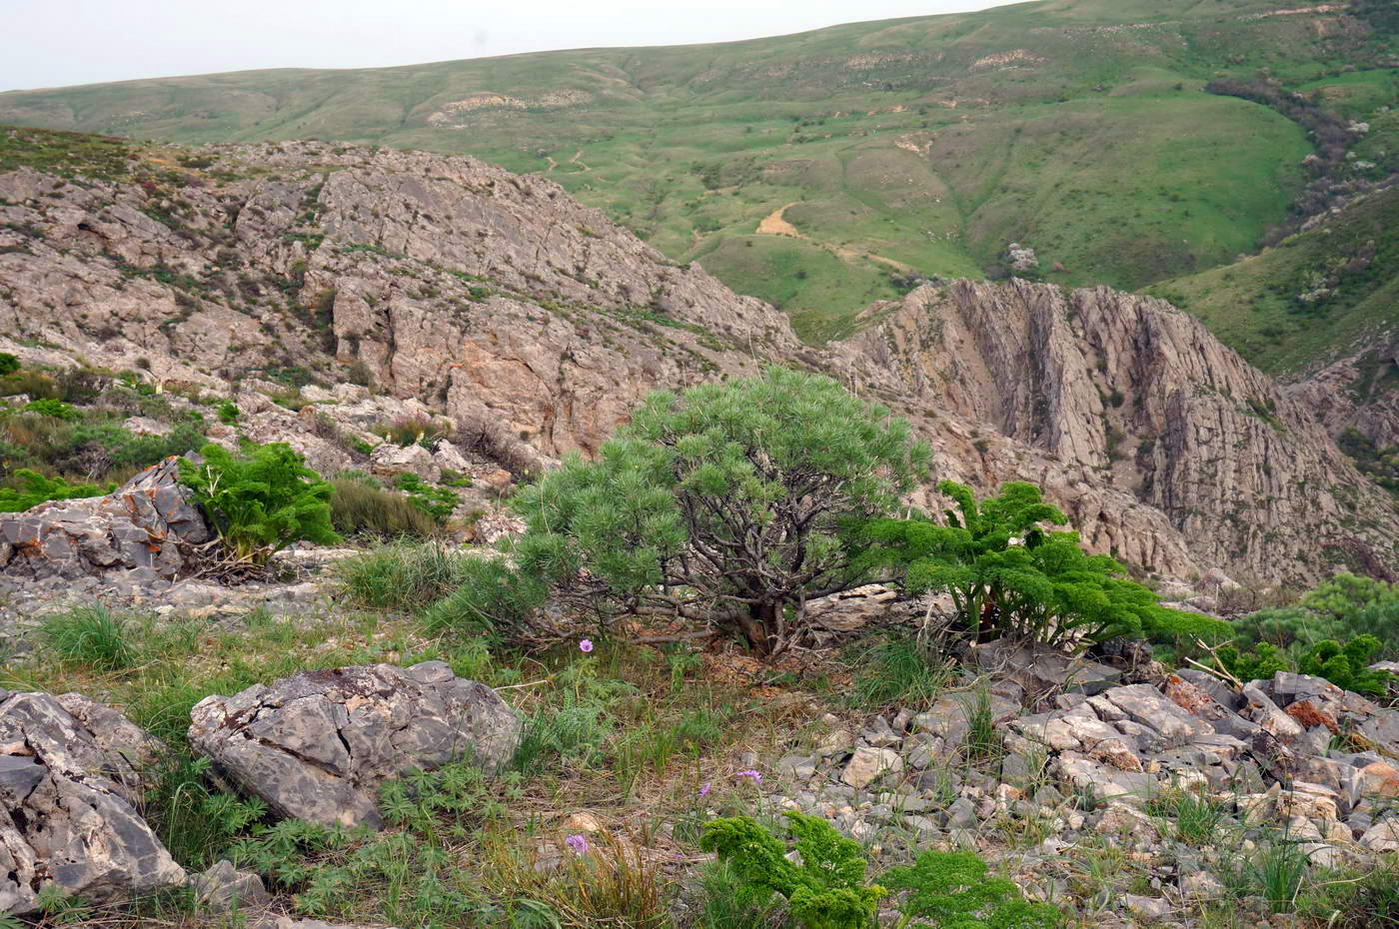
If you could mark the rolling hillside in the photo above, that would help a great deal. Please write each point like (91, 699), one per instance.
(822, 170)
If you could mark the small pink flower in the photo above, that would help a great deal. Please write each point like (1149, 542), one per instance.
(578, 844)
(704, 791)
(585, 646)
(757, 778)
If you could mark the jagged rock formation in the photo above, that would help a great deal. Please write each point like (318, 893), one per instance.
(147, 527)
(1129, 394)
(317, 745)
(71, 791)
(499, 302)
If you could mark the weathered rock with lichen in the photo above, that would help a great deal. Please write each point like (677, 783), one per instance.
(317, 745)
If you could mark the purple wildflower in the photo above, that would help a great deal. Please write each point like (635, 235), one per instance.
(585, 646)
(757, 778)
(578, 844)
(705, 789)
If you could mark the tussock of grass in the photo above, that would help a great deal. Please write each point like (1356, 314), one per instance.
(92, 636)
(402, 576)
(360, 509)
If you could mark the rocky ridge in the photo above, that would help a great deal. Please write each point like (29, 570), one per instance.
(498, 302)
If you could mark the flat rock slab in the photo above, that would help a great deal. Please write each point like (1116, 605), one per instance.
(318, 745)
(70, 789)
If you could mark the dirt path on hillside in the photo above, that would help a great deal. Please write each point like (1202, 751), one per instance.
(775, 223)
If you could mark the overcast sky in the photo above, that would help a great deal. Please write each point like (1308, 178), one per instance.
(50, 43)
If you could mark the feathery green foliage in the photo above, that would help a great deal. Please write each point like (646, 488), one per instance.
(826, 891)
(1342, 607)
(736, 491)
(35, 489)
(9, 364)
(261, 500)
(1347, 666)
(951, 890)
(1009, 576)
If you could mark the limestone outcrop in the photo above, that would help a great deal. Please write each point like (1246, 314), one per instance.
(147, 525)
(317, 745)
(499, 303)
(71, 791)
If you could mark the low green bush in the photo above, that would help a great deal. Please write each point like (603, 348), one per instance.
(47, 406)
(1337, 609)
(35, 489)
(9, 364)
(359, 509)
(825, 887)
(261, 500)
(436, 502)
(827, 890)
(1345, 665)
(228, 413)
(1008, 576)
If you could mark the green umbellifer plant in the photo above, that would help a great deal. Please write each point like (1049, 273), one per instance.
(260, 501)
(726, 503)
(826, 891)
(1009, 575)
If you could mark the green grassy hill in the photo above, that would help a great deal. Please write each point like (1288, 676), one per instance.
(1314, 293)
(925, 146)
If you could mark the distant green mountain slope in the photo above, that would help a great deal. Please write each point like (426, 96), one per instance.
(866, 154)
(1310, 297)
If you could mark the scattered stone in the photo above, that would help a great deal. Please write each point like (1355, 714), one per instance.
(317, 745)
(1150, 909)
(224, 888)
(868, 764)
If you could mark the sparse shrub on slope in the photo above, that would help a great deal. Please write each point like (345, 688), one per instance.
(34, 489)
(261, 500)
(1009, 576)
(737, 491)
(360, 508)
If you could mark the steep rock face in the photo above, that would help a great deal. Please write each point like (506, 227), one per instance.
(1140, 396)
(495, 299)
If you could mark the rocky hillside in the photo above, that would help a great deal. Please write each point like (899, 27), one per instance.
(501, 303)
(923, 145)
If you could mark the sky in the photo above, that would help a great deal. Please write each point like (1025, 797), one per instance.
(51, 43)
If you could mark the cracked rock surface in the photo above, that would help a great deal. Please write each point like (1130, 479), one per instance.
(317, 745)
(147, 527)
(69, 787)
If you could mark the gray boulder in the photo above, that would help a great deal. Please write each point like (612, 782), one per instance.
(317, 745)
(148, 523)
(69, 788)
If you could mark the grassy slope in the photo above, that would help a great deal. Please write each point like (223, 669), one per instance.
(930, 142)
(1253, 305)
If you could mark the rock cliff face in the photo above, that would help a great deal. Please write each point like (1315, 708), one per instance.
(1129, 394)
(497, 299)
